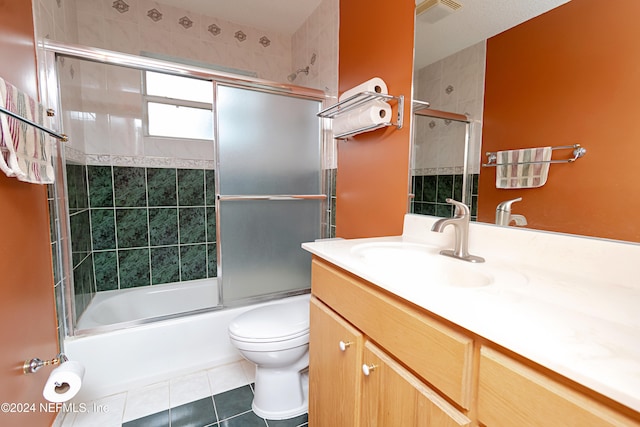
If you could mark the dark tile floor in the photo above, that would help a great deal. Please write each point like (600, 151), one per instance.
(229, 409)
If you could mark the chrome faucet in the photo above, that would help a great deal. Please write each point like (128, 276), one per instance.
(504, 216)
(460, 223)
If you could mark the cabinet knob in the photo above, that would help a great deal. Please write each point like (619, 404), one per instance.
(344, 345)
(366, 369)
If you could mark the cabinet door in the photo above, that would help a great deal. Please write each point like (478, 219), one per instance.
(335, 360)
(392, 396)
(512, 394)
(440, 355)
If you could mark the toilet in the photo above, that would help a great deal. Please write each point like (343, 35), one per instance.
(276, 339)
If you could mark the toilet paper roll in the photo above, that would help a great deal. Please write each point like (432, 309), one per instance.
(64, 382)
(376, 85)
(372, 113)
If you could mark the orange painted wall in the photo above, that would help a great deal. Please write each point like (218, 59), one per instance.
(376, 40)
(570, 76)
(27, 312)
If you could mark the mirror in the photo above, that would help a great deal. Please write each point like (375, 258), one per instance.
(450, 75)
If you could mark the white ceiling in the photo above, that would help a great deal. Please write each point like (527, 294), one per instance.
(477, 20)
(284, 16)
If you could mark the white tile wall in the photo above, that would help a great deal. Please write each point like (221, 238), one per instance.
(455, 84)
(101, 25)
(319, 35)
(99, 130)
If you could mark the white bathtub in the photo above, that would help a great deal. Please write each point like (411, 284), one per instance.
(124, 359)
(130, 305)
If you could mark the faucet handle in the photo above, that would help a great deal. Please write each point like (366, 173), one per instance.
(462, 210)
(506, 205)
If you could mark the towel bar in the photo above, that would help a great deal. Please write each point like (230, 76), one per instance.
(271, 197)
(56, 135)
(578, 151)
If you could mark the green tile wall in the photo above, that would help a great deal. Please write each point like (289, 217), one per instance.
(329, 220)
(81, 242)
(144, 226)
(431, 192)
(58, 271)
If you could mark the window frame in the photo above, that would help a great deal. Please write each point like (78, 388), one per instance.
(146, 99)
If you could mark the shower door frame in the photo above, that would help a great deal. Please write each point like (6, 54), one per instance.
(323, 196)
(50, 92)
(423, 109)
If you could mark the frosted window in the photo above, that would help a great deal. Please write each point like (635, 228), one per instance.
(177, 87)
(179, 121)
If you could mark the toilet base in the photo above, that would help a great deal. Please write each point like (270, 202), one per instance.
(280, 415)
(280, 395)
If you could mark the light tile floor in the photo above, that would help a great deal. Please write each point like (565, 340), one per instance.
(115, 410)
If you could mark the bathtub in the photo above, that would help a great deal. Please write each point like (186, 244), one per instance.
(126, 306)
(132, 357)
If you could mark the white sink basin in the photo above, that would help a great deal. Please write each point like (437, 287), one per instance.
(402, 252)
(399, 257)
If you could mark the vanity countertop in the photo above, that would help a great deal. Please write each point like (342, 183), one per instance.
(580, 324)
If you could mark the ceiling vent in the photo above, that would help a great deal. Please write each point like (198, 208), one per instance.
(435, 10)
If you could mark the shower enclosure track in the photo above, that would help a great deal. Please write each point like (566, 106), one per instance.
(274, 197)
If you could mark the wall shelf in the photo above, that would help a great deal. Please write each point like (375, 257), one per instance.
(358, 100)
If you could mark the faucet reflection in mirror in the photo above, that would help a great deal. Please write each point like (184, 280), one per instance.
(460, 223)
(504, 216)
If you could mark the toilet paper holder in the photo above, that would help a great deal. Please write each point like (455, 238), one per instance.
(31, 366)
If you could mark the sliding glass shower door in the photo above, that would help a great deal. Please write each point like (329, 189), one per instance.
(269, 182)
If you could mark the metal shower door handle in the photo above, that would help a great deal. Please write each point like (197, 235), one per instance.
(272, 197)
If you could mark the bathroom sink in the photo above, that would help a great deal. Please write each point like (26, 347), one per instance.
(383, 251)
(423, 261)
(459, 273)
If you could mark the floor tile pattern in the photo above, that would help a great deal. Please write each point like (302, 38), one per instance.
(228, 409)
(217, 397)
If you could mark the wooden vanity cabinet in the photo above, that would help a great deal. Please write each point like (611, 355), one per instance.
(341, 393)
(352, 382)
(512, 393)
(442, 356)
(425, 373)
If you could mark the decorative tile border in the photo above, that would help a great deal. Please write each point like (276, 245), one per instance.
(453, 170)
(77, 156)
(214, 30)
(74, 155)
(185, 22)
(154, 14)
(264, 41)
(120, 6)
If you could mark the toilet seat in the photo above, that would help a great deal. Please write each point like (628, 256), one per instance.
(271, 346)
(272, 323)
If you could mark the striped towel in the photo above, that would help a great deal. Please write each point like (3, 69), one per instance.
(513, 171)
(26, 150)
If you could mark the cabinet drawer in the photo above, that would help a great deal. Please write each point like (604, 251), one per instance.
(513, 394)
(440, 355)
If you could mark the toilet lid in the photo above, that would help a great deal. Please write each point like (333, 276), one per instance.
(274, 322)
